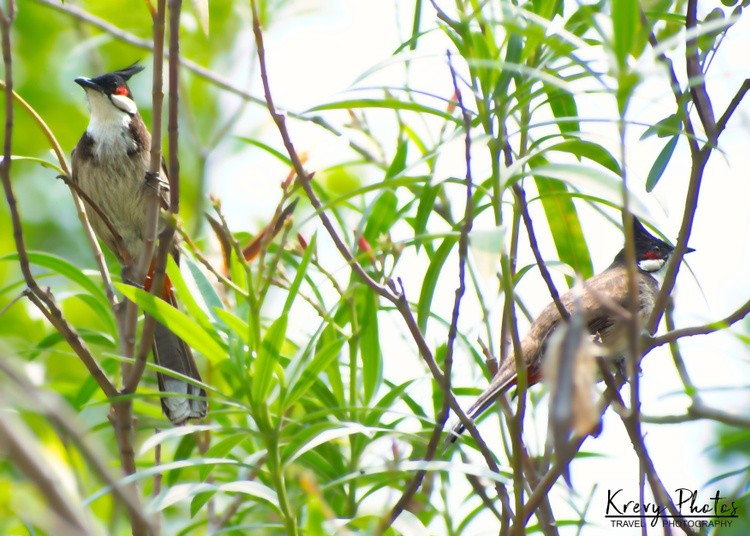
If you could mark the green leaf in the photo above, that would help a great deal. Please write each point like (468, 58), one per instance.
(427, 196)
(268, 357)
(238, 326)
(205, 287)
(390, 104)
(565, 226)
(626, 24)
(381, 216)
(369, 342)
(186, 297)
(669, 126)
(590, 150)
(40, 161)
(660, 164)
(267, 148)
(424, 307)
(304, 372)
(564, 108)
(512, 55)
(398, 165)
(63, 268)
(314, 436)
(178, 322)
(300, 276)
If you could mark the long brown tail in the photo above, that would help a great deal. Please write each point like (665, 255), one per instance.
(503, 380)
(172, 353)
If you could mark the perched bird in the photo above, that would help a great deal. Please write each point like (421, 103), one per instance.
(109, 167)
(595, 301)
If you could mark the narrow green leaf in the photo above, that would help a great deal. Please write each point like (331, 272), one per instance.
(381, 216)
(181, 325)
(200, 9)
(389, 104)
(267, 148)
(300, 276)
(205, 287)
(626, 25)
(424, 307)
(238, 326)
(186, 297)
(317, 435)
(62, 267)
(427, 197)
(40, 161)
(268, 357)
(398, 165)
(563, 105)
(565, 226)
(372, 362)
(660, 164)
(669, 126)
(590, 150)
(304, 372)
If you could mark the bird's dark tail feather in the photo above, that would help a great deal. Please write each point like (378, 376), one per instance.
(172, 353)
(500, 383)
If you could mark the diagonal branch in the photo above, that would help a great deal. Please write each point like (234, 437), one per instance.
(521, 196)
(705, 329)
(696, 79)
(394, 292)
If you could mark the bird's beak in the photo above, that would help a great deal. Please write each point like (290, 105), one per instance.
(87, 83)
(689, 250)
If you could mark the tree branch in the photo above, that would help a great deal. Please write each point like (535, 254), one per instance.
(705, 329)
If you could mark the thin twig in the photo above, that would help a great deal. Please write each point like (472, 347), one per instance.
(463, 249)
(696, 79)
(521, 196)
(733, 104)
(705, 329)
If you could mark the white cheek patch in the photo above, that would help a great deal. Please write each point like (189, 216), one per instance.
(108, 124)
(651, 265)
(124, 103)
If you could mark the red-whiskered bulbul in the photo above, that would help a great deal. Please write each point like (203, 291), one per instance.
(109, 166)
(595, 301)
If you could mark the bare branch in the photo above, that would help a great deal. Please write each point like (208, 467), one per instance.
(676, 89)
(735, 102)
(463, 250)
(705, 329)
(696, 79)
(521, 196)
(699, 411)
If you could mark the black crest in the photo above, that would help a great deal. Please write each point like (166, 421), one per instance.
(129, 71)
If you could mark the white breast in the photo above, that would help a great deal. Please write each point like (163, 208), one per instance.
(109, 126)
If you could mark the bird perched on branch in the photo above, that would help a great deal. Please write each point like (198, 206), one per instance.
(599, 300)
(110, 164)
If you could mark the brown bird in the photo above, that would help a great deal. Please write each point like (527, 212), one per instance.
(599, 293)
(109, 167)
